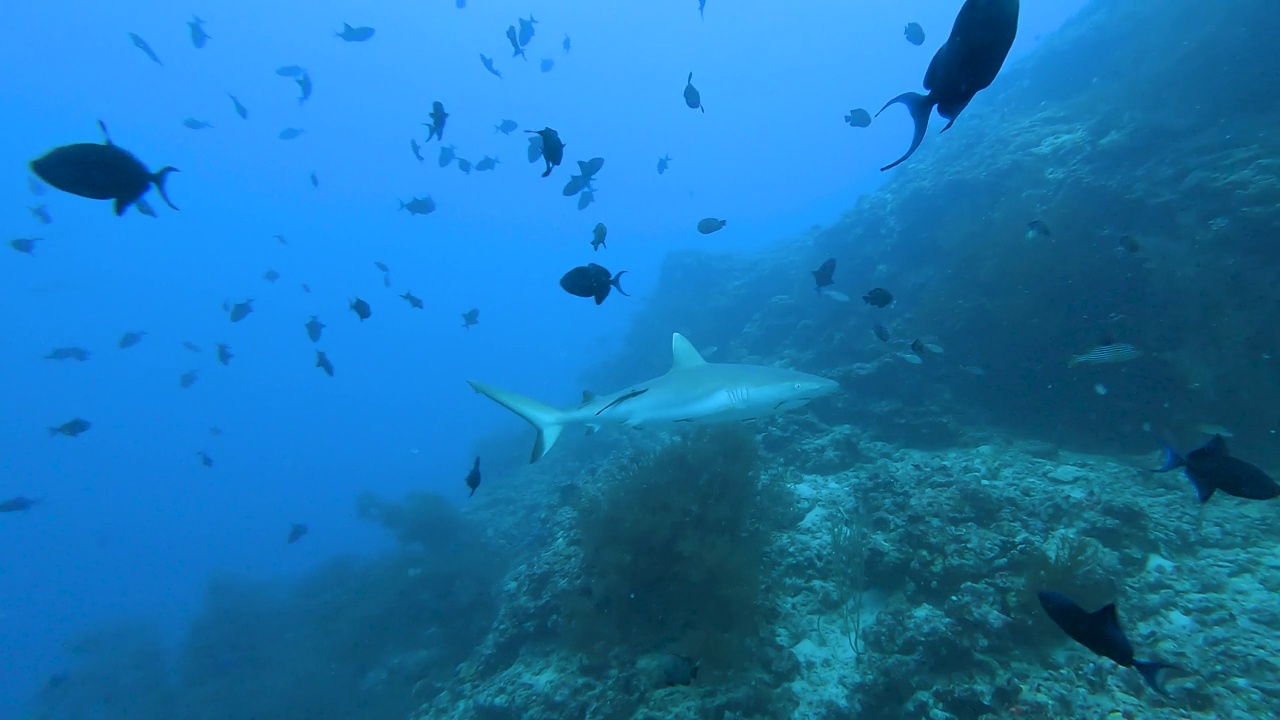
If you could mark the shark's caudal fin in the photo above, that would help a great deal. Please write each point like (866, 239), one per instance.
(548, 421)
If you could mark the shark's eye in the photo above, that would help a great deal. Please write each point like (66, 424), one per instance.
(799, 386)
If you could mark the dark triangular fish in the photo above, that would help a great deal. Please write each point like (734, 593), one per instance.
(551, 148)
(591, 281)
(1100, 632)
(473, 477)
(966, 63)
(823, 275)
(1212, 468)
(692, 97)
(100, 172)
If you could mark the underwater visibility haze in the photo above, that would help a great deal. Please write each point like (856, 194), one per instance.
(476, 359)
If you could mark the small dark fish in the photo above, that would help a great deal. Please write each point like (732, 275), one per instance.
(488, 65)
(546, 65)
(516, 50)
(419, 206)
(71, 428)
(702, 5)
(881, 333)
(1100, 632)
(576, 184)
(597, 237)
(878, 297)
(304, 87)
(355, 34)
(706, 226)
(296, 531)
(662, 163)
(290, 133)
(966, 63)
(290, 71)
(526, 30)
(591, 281)
(215, 431)
(381, 266)
(224, 354)
(68, 353)
(306, 288)
(914, 33)
(471, 317)
(823, 275)
(190, 346)
(506, 127)
(535, 148)
(240, 108)
(314, 328)
(22, 504)
(25, 245)
(692, 97)
(464, 165)
(487, 163)
(130, 339)
(41, 213)
(1129, 244)
(435, 128)
(188, 378)
(315, 181)
(280, 239)
(858, 118)
(194, 124)
(198, 36)
(447, 155)
(361, 308)
(205, 460)
(271, 276)
(416, 148)
(142, 45)
(1212, 468)
(678, 669)
(241, 310)
(322, 362)
(100, 172)
(1037, 229)
(473, 478)
(413, 300)
(386, 280)
(566, 44)
(589, 168)
(551, 148)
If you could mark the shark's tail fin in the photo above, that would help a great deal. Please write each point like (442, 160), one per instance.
(548, 421)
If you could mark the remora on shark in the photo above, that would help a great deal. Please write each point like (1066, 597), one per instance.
(693, 391)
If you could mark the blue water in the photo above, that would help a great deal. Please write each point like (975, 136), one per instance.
(131, 524)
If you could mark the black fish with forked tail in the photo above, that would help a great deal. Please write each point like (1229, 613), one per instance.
(967, 62)
(591, 281)
(1100, 631)
(1212, 468)
(103, 171)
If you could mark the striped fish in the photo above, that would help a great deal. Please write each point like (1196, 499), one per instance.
(1110, 353)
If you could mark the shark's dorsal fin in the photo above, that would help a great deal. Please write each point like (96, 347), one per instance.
(683, 354)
